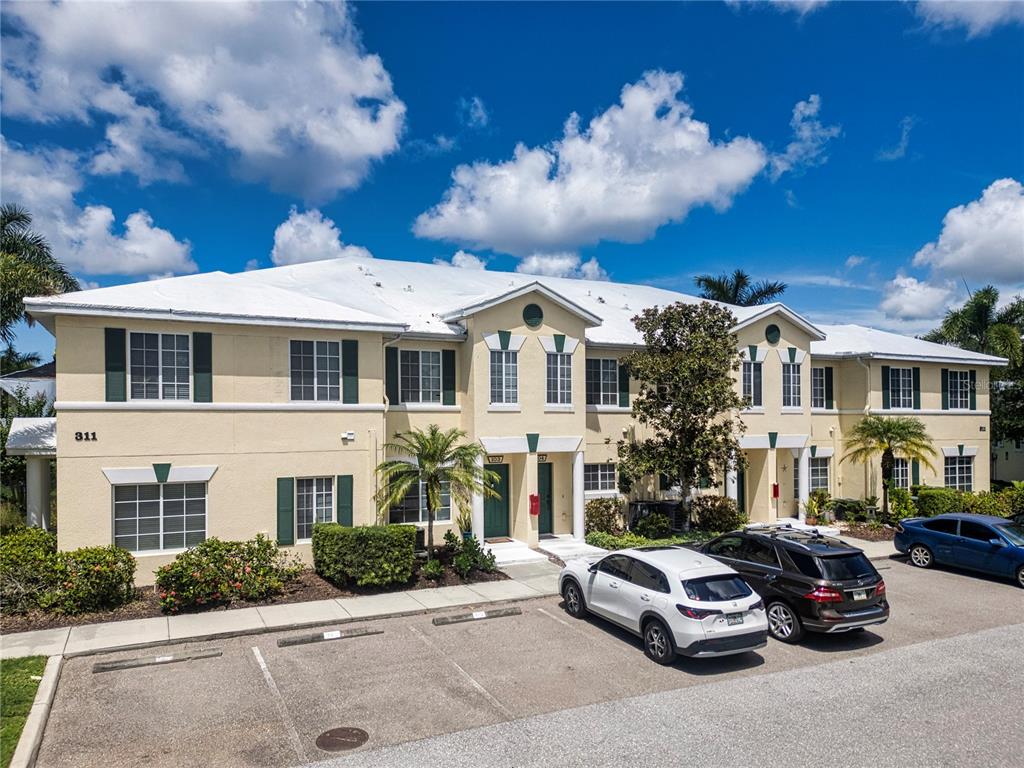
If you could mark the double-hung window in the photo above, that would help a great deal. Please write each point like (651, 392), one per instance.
(817, 387)
(959, 472)
(599, 477)
(154, 517)
(602, 381)
(901, 474)
(159, 366)
(752, 384)
(314, 503)
(901, 387)
(420, 376)
(315, 370)
(796, 477)
(791, 385)
(504, 377)
(413, 506)
(559, 389)
(818, 474)
(960, 390)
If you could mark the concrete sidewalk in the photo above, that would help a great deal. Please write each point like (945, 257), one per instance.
(873, 550)
(528, 581)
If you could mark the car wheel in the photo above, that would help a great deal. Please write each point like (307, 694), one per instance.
(921, 556)
(658, 643)
(784, 624)
(1020, 576)
(572, 596)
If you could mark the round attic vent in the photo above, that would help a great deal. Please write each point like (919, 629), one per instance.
(533, 315)
(772, 334)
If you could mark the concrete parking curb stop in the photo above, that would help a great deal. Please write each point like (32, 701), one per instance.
(35, 724)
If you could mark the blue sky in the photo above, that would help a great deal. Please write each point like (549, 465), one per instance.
(869, 154)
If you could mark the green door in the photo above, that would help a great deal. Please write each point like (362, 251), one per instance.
(496, 510)
(547, 499)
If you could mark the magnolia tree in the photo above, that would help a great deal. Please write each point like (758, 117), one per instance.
(688, 400)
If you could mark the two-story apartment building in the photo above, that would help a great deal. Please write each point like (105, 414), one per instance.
(229, 405)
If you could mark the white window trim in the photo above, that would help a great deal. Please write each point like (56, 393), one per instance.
(798, 408)
(613, 491)
(500, 406)
(754, 365)
(559, 407)
(160, 368)
(792, 409)
(316, 397)
(295, 504)
(960, 373)
(440, 378)
(824, 387)
(970, 476)
(601, 393)
(504, 408)
(159, 552)
(493, 342)
(906, 408)
(609, 409)
(558, 381)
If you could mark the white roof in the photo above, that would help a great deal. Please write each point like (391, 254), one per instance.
(32, 436)
(428, 299)
(858, 341)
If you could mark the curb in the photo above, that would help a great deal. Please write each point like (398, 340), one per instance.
(35, 724)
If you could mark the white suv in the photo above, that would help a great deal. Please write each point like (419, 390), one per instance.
(675, 599)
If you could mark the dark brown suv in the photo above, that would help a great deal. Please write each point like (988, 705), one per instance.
(809, 582)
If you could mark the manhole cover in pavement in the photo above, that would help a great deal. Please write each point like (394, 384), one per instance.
(340, 739)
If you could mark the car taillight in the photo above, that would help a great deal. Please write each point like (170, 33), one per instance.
(880, 588)
(825, 595)
(696, 613)
(758, 606)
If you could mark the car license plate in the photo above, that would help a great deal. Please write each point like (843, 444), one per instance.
(860, 594)
(733, 618)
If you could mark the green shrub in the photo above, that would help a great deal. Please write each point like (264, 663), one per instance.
(819, 501)
(655, 526)
(452, 542)
(716, 513)
(900, 504)
(369, 555)
(92, 579)
(854, 510)
(463, 563)
(11, 519)
(433, 569)
(938, 501)
(1015, 493)
(999, 504)
(216, 571)
(28, 562)
(603, 515)
(471, 555)
(631, 540)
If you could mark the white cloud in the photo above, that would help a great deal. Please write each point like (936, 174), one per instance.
(900, 150)
(640, 164)
(464, 260)
(908, 298)
(791, 200)
(473, 112)
(853, 261)
(252, 264)
(310, 236)
(287, 89)
(561, 265)
(46, 183)
(802, 7)
(983, 240)
(978, 17)
(810, 139)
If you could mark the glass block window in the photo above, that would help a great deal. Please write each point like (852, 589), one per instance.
(559, 379)
(504, 376)
(314, 503)
(154, 517)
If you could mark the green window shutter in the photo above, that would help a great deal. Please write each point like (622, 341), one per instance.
(917, 388)
(114, 354)
(623, 386)
(915, 472)
(345, 499)
(885, 386)
(350, 371)
(664, 482)
(285, 511)
(391, 374)
(944, 374)
(974, 392)
(829, 391)
(447, 377)
(202, 367)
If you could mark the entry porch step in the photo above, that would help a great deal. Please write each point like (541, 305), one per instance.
(567, 548)
(513, 551)
(824, 530)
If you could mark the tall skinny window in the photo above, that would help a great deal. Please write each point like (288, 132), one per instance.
(818, 477)
(420, 376)
(752, 384)
(901, 387)
(901, 474)
(504, 376)
(315, 370)
(791, 385)
(602, 381)
(960, 389)
(314, 503)
(159, 366)
(817, 387)
(559, 379)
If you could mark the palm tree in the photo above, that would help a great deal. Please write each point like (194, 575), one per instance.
(27, 266)
(12, 360)
(980, 327)
(440, 461)
(904, 437)
(737, 289)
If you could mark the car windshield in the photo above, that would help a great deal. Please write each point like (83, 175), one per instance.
(1012, 531)
(716, 588)
(844, 567)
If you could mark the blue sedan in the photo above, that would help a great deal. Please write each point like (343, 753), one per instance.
(978, 542)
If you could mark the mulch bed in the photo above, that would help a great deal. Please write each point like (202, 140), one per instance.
(308, 586)
(868, 533)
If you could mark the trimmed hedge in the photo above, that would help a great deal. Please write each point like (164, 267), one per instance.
(655, 526)
(852, 510)
(716, 513)
(938, 501)
(631, 540)
(603, 515)
(370, 555)
(216, 571)
(34, 575)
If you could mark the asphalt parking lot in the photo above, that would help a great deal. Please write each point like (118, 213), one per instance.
(251, 701)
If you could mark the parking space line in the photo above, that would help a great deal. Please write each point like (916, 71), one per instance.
(472, 681)
(282, 709)
(552, 616)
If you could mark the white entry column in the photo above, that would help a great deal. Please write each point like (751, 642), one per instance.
(732, 483)
(478, 508)
(804, 482)
(578, 502)
(37, 491)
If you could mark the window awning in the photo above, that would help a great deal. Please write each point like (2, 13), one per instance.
(33, 436)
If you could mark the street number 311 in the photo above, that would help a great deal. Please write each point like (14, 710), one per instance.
(85, 435)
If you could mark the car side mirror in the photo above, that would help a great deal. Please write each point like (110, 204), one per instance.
(593, 568)
(996, 542)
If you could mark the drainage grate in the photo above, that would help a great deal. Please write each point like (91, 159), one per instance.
(340, 739)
